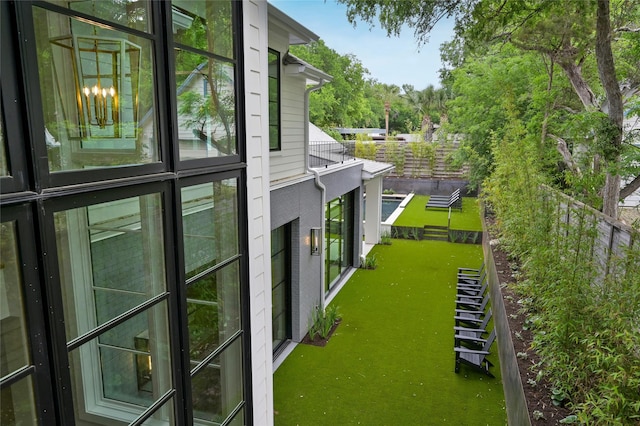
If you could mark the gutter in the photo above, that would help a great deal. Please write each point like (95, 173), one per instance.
(318, 183)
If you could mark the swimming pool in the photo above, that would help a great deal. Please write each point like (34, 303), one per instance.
(389, 205)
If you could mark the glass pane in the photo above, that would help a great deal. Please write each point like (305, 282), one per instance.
(14, 347)
(213, 310)
(205, 25)
(111, 259)
(18, 406)
(217, 388)
(129, 363)
(132, 13)
(165, 415)
(98, 94)
(210, 222)
(4, 167)
(206, 106)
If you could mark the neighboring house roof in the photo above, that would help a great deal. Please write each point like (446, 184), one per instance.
(355, 131)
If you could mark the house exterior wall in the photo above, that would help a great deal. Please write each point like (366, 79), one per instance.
(289, 160)
(256, 72)
(300, 205)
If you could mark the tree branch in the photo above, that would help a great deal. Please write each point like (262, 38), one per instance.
(566, 155)
(626, 30)
(630, 187)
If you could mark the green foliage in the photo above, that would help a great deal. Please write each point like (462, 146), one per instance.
(423, 152)
(341, 103)
(366, 150)
(385, 238)
(321, 321)
(370, 262)
(584, 316)
(394, 154)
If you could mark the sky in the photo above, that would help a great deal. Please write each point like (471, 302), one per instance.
(390, 60)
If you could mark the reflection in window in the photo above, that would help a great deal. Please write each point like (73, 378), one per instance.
(4, 169)
(213, 311)
(339, 237)
(274, 100)
(131, 13)
(210, 229)
(129, 364)
(204, 25)
(97, 91)
(111, 261)
(206, 106)
(217, 387)
(210, 224)
(16, 400)
(280, 286)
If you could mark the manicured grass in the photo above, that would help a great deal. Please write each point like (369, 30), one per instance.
(416, 215)
(391, 360)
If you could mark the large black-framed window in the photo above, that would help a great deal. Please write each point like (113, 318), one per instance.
(338, 238)
(106, 293)
(281, 285)
(274, 100)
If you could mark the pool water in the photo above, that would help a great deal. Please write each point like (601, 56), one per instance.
(388, 207)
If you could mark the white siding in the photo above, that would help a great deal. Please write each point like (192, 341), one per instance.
(255, 53)
(289, 161)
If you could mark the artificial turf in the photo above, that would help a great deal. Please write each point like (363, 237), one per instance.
(415, 214)
(391, 360)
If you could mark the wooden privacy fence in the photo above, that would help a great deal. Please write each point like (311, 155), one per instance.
(608, 241)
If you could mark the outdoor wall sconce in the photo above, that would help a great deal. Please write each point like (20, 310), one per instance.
(105, 86)
(315, 241)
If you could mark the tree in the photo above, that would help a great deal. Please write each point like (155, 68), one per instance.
(566, 32)
(342, 102)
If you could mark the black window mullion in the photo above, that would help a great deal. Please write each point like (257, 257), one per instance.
(34, 306)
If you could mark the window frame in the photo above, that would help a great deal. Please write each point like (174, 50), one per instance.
(277, 146)
(11, 94)
(45, 193)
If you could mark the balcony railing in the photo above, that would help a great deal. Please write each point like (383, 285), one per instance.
(323, 154)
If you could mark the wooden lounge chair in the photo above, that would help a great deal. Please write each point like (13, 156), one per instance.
(475, 358)
(474, 330)
(472, 281)
(453, 201)
(472, 303)
(474, 291)
(454, 194)
(471, 272)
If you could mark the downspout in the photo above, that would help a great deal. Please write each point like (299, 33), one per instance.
(319, 185)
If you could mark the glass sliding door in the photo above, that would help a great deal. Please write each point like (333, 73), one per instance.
(339, 238)
(281, 285)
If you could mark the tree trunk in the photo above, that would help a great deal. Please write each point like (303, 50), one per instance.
(607, 72)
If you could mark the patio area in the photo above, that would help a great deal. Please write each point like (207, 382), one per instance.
(391, 360)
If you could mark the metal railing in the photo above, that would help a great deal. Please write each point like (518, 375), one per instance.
(323, 154)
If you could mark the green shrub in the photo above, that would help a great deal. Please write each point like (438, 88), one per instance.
(321, 321)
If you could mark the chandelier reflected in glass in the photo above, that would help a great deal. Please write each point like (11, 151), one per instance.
(106, 81)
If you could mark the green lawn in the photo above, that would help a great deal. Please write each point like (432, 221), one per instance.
(391, 360)
(416, 215)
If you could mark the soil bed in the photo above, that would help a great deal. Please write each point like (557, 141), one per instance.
(319, 341)
(538, 395)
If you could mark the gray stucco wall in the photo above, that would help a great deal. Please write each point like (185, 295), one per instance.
(300, 204)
